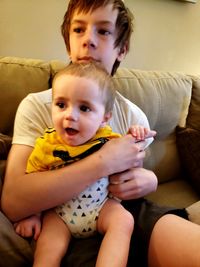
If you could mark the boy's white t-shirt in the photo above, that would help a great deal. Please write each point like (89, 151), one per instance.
(34, 116)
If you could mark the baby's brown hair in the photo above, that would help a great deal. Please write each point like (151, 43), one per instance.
(97, 74)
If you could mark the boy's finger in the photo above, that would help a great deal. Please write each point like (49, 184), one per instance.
(151, 133)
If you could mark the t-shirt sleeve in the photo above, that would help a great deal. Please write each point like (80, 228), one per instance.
(32, 118)
(125, 114)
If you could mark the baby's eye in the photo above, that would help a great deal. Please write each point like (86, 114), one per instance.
(85, 108)
(60, 105)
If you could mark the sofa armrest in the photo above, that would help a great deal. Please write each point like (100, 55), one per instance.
(5, 144)
(2, 171)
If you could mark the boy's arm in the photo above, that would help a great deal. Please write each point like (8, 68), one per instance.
(26, 194)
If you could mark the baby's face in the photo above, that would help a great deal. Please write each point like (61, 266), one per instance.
(77, 109)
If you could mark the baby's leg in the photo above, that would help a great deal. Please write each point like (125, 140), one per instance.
(53, 241)
(117, 224)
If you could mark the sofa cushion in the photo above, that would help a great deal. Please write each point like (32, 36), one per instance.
(164, 97)
(19, 77)
(188, 142)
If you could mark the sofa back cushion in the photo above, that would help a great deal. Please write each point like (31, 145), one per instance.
(19, 77)
(164, 97)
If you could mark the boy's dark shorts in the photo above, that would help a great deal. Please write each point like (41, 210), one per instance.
(83, 252)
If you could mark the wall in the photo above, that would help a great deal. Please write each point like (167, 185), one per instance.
(166, 36)
(31, 28)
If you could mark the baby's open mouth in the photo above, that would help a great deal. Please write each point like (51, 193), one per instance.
(71, 131)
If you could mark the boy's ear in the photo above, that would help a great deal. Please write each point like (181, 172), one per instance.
(122, 53)
(106, 118)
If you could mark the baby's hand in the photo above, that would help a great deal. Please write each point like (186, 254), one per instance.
(29, 227)
(141, 133)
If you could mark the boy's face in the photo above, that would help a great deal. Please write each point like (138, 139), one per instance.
(92, 37)
(77, 109)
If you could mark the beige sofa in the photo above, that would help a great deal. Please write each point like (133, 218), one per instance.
(168, 99)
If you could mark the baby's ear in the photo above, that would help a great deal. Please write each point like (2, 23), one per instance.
(106, 118)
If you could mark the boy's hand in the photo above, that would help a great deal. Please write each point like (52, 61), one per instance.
(29, 227)
(135, 182)
(126, 154)
(132, 184)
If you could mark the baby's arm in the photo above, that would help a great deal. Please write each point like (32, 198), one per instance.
(29, 227)
(140, 132)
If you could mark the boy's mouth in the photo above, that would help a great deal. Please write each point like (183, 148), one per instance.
(71, 131)
(87, 59)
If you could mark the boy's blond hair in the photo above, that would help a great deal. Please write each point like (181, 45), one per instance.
(124, 20)
(97, 74)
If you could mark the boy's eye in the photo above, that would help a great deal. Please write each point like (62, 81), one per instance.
(104, 32)
(85, 108)
(78, 30)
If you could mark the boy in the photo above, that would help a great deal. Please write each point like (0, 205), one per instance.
(83, 99)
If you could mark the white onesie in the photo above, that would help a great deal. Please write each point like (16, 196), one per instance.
(80, 213)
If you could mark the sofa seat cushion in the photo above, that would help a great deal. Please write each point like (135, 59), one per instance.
(188, 142)
(177, 193)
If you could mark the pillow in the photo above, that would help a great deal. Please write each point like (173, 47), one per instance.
(5, 144)
(188, 143)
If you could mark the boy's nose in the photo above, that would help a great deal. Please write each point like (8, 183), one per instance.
(90, 39)
(89, 44)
